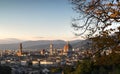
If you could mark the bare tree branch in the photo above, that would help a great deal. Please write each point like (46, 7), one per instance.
(105, 12)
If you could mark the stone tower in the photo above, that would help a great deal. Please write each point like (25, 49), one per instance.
(51, 48)
(19, 53)
(20, 48)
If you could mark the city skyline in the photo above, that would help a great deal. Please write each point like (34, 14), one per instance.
(36, 19)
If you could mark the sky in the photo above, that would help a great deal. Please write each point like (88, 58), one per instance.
(36, 19)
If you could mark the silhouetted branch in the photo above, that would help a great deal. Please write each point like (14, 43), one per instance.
(105, 12)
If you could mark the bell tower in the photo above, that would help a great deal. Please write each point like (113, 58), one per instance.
(19, 53)
(51, 48)
(20, 48)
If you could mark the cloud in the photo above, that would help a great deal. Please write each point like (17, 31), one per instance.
(12, 39)
(39, 37)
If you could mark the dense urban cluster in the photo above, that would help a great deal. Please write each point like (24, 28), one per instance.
(51, 61)
(23, 61)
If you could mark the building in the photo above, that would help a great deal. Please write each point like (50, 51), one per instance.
(19, 53)
(51, 48)
(42, 52)
(67, 49)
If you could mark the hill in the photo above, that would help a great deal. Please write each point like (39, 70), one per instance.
(44, 44)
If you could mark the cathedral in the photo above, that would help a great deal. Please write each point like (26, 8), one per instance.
(67, 50)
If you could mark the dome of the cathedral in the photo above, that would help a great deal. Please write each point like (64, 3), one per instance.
(67, 47)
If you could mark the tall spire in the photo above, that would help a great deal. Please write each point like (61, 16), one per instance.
(51, 44)
(20, 48)
(19, 53)
(51, 48)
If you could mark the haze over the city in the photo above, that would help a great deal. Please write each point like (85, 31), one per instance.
(36, 20)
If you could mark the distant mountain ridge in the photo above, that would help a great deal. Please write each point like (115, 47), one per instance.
(10, 41)
(44, 44)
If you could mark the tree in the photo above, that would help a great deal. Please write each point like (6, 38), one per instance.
(95, 20)
(68, 69)
(106, 41)
(5, 70)
(95, 15)
(84, 67)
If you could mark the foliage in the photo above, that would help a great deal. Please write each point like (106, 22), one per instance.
(54, 70)
(5, 70)
(108, 64)
(68, 69)
(84, 67)
(95, 15)
(106, 41)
